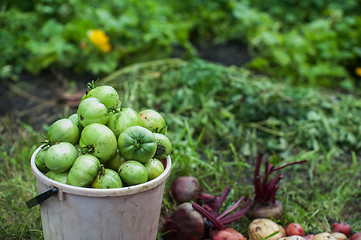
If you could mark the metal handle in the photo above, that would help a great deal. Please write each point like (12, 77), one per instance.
(41, 197)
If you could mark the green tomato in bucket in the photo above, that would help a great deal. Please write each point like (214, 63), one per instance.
(83, 171)
(60, 157)
(124, 119)
(164, 146)
(133, 172)
(137, 143)
(91, 110)
(63, 130)
(154, 168)
(153, 121)
(115, 162)
(107, 95)
(107, 178)
(61, 177)
(98, 140)
(40, 160)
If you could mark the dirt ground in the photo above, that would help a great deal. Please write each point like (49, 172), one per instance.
(41, 99)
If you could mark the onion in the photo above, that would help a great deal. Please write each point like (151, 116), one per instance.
(184, 224)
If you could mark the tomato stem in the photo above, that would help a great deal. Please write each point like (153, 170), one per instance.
(91, 85)
(87, 149)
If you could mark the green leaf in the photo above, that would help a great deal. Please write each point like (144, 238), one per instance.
(274, 160)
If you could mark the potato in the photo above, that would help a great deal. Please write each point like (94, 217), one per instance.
(293, 237)
(339, 236)
(324, 236)
(263, 227)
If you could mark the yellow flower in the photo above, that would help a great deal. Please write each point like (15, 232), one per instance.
(100, 40)
(358, 71)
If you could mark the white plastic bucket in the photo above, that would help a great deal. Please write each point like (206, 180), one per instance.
(128, 213)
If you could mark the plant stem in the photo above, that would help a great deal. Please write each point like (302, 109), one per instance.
(219, 201)
(237, 215)
(209, 216)
(234, 206)
(288, 164)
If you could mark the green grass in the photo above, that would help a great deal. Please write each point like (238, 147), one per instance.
(219, 120)
(17, 184)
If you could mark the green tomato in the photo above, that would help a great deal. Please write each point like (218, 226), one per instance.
(124, 119)
(91, 111)
(133, 172)
(40, 160)
(107, 178)
(137, 143)
(59, 177)
(98, 140)
(75, 119)
(106, 95)
(63, 130)
(164, 146)
(83, 171)
(154, 168)
(115, 162)
(153, 121)
(60, 157)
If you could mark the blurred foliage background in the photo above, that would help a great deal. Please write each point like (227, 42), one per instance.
(314, 42)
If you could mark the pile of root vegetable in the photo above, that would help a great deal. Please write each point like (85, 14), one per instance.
(198, 217)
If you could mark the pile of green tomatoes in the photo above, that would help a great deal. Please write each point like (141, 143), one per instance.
(105, 145)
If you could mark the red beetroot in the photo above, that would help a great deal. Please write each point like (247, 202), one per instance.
(264, 204)
(220, 220)
(228, 234)
(294, 229)
(184, 224)
(185, 189)
(356, 236)
(342, 228)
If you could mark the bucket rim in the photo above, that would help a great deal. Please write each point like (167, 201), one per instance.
(95, 192)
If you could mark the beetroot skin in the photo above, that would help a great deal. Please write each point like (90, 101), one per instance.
(185, 189)
(184, 224)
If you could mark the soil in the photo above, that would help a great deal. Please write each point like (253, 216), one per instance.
(40, 100)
